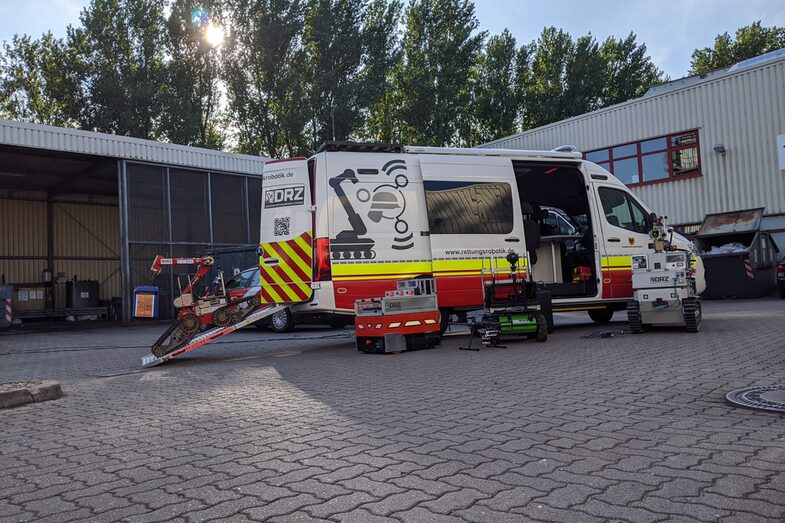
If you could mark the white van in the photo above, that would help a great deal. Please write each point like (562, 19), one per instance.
(354, 218)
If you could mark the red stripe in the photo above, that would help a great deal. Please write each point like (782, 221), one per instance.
(289, 263)
(285, 278)
(296, 248)
(303, 256)
(266, 296)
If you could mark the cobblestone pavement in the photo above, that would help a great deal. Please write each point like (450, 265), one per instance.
(300, 427)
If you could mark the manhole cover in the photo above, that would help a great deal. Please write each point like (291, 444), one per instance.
(769, 399)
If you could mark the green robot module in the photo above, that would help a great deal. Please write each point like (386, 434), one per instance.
(513, 307)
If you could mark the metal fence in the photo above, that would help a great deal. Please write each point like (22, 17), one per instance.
(180, 212)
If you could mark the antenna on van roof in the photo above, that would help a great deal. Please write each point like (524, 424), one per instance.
(565, 149)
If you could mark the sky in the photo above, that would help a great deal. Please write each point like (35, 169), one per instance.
(670, 30)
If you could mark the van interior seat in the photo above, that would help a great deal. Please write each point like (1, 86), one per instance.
(531, 230)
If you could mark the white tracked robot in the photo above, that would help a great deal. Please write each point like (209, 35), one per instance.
(664, 286)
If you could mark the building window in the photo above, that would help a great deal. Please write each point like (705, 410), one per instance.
(654, 160)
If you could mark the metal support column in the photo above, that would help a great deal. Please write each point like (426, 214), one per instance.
(125, 249)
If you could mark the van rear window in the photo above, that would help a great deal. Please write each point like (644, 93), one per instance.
(469, 207)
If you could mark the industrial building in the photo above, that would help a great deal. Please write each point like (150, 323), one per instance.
(703, 144)
(83, 214)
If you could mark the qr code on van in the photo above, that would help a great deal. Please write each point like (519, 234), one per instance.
(281, 226)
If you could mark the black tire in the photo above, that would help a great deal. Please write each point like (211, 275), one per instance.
(444, 320)
(282, 321)
(693, 314)
(542, 328)
(781, 287)
(601, 316)
(634, 317)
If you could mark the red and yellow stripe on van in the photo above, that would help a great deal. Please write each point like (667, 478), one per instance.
(459, 282)
(617, 276)
(290, 279)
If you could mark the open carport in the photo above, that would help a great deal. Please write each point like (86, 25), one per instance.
(78, 207)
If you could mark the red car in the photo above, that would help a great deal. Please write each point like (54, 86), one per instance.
(781, 278)
(247, 283)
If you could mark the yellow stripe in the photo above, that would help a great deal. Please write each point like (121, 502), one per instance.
(305, 288)
(376, 277)
(282, 285)
(617, 261)
(628, 268)
(369, 269)
(303, 245)
(293, 278)
(296, 258)
(273, 294)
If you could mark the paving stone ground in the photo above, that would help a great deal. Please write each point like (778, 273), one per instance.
(300, 427)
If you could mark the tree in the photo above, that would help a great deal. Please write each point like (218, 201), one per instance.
(496, 100)
(433, 81)
(750, 41)
(630, 72)
(545, 92)
(37, 83)
(585, 78)
(265, 71)
(382, 53)
(191, 94)
(332, 40)
(120, 48)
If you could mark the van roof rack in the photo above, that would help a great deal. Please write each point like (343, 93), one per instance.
(506, 153)
(360, 147)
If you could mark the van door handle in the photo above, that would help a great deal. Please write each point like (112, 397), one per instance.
(614, 240)
(512, 240)
(270, 261)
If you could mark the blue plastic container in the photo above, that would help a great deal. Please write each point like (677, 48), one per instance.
(146, 302)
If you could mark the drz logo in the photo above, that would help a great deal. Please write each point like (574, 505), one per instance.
(284, 197)
(659, 279)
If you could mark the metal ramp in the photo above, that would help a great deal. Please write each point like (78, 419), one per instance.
(208, 336)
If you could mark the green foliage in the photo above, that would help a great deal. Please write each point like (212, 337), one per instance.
(433, 81)
(294, 73)
(265, 71)
(381, 39)
(496, 99)
(750, 41)
(191, 94)
(333, 44)
(630, 72)
(120, 49)
(36, 82)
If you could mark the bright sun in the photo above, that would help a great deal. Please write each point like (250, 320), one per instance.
(214, 34)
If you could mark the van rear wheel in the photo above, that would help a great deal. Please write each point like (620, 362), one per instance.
(601, 316)
(444, 320)
(282, 321)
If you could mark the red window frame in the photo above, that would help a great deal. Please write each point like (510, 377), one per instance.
(669, 150)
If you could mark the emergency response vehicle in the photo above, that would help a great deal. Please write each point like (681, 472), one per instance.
(353, 219)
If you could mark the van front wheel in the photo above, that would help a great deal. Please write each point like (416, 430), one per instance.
(601, 316)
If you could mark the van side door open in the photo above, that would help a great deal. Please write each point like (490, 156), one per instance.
(285, 250)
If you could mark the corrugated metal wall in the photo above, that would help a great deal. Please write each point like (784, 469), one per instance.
(744, 111)
(85, 237)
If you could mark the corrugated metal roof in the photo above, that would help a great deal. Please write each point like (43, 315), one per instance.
(48, 137)
(670, 88)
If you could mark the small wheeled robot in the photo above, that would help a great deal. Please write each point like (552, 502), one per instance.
(404, 319)
(663, 285)
(513, 307)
